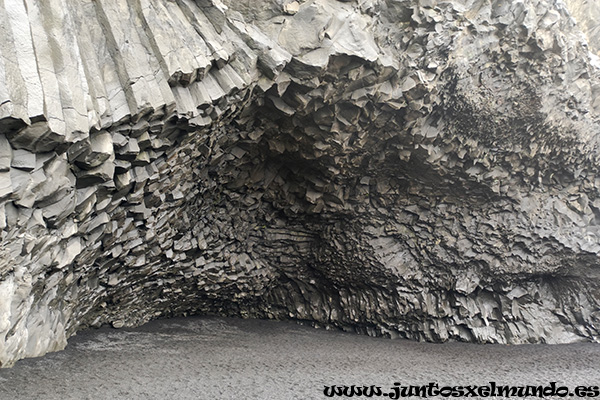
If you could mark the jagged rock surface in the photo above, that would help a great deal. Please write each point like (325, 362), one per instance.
(587, 14)
(416, 168)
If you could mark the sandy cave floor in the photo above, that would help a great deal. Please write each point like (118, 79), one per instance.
(222, 358)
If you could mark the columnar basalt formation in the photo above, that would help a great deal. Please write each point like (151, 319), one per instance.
(424, 169)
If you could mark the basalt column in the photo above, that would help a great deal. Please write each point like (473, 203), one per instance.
(424, 169)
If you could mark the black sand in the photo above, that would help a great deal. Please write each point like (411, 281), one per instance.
(219, 358)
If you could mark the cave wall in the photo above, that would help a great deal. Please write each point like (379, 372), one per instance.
(422, 169)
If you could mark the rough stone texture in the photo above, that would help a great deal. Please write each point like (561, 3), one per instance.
(424, 169)
(587, 15)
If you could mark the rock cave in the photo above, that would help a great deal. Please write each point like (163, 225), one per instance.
(423, 169)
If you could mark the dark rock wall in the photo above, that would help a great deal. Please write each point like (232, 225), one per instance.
(422, 169)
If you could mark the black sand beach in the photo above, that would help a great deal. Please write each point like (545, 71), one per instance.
(220, 358)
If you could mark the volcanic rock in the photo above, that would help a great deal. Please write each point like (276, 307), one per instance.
(410, 168)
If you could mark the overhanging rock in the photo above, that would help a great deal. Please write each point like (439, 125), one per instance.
(423, 169)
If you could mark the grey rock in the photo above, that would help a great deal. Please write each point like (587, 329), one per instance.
(587, 15)
(417, 169)
(36, 138)
(5, 154)
(23, 159)
(6, 186)
(103, 173)
(100, 149)
(79, 150)
(123, 180)
(129, 151)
